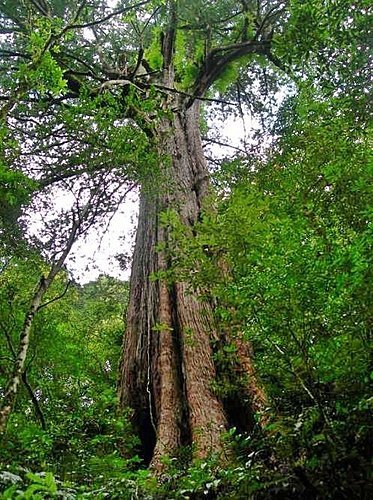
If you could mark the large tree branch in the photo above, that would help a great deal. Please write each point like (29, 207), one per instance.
(219, 58)
(166, 90)
(73, 83)
(244, 47)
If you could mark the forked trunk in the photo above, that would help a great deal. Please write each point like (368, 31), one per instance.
(167, 366)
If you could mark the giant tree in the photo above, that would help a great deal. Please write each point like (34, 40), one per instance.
(112, 96)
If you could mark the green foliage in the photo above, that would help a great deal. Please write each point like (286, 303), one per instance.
(39, 487)
(72, 371)
(15, 187)
(47, 77)
(43, 74)
(132, 155)
(153, 53)
(188, 53)
(15, 191)
(329, 43)
(228, 77)
(285, 255)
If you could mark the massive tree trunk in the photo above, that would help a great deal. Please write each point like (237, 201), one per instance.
(167, 367)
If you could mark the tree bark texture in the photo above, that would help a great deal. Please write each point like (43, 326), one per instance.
(167, 366)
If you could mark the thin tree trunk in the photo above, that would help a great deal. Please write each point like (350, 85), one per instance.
(24, 341)
(12, 386)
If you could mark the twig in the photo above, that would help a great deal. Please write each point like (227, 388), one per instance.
(56, 298)
(186, 94)
(223, 144)
(9, 340)
(35, 401)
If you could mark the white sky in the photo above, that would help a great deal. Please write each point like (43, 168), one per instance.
(96, 254)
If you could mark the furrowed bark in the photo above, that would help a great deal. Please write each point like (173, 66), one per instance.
(207, 419)
(167, 366)
(255, 391)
